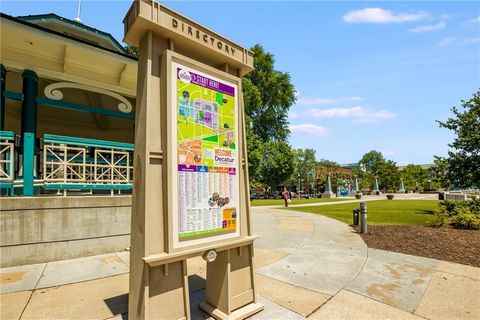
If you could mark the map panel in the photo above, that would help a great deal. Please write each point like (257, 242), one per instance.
(206, 155)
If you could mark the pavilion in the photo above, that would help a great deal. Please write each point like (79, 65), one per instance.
(67, 128)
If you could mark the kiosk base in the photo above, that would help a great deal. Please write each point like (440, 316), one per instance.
(242, 313)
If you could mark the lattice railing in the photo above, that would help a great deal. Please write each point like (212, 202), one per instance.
(112, 166)
(63, 163)
(76, 163)
(7, 172)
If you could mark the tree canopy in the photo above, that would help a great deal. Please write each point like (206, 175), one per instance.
(464, 157)
(277, 164)
(268, 94)
(372, 162)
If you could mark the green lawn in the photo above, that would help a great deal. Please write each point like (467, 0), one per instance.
(380, 212)
(279, 202)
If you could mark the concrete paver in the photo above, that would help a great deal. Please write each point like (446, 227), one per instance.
(451, 297)
(21, 278)
(274, 311)
(459, 269)
(296, 224)
(300, 300)
(264, 257)
(350, 306)
(95, 299)
(396, 279)
(326, 260)
(12, 304)
(82, 269)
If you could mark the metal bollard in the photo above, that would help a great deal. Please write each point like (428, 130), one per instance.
(355, 216)
(363, 217)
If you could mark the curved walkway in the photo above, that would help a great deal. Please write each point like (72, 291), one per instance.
(323, 256)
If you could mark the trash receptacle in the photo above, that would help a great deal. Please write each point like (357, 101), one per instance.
(356, 214)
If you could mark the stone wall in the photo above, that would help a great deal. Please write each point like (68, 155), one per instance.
(41, 229)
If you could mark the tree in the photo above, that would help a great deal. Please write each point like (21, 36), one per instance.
(464, 158)
(439, 174)
(269, 94)
(305, 167)
(133, 51)
(372, 162)
(389, 176)
(277, 164)
(414, 175)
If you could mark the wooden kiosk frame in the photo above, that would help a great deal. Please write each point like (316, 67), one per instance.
(158, 270)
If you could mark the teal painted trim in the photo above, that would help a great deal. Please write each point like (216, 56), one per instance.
(50, 138)
(7, 135)
(86, 186)
(13, 95)
(6, 185)
(89, 160)
(83, 108)
(28, 163)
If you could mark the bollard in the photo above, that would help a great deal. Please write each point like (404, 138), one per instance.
(363, 217)
(355, 216)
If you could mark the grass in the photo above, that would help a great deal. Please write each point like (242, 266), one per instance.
(279, 202)
(382, 212)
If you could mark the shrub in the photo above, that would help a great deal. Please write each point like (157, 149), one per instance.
(390, 196)
(439, 218)
(466, 220)
(460, 214)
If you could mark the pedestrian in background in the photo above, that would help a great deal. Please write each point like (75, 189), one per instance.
(286, 196)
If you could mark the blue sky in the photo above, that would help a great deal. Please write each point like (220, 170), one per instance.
(369, 75)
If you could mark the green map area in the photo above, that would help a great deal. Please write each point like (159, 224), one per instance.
(205, 120)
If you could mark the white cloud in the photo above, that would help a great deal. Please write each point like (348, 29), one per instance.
(320, 101)
(358, 114)
(292, 115)
(310, 129)
(379, 15)
(429, 27)
(458, 41)
(447, 41)
(473, 20)
(471, 40)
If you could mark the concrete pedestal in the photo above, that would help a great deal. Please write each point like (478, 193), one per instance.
(329, 195)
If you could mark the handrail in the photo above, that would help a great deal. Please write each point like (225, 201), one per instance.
(7, 135)
(50, 138)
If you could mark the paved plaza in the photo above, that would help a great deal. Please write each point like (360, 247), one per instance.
(308, 266)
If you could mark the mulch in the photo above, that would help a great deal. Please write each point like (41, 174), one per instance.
(445, 243)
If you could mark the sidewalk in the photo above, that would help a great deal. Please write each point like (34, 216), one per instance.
(307, 266)
(401, 196)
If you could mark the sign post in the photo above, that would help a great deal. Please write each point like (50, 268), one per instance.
(191, 194)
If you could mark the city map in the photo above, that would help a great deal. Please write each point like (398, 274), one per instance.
(206, 155)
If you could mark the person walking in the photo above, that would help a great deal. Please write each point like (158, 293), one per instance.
(286, 196)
